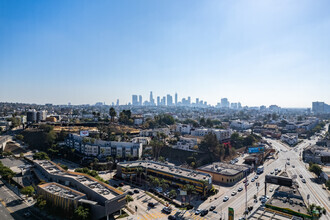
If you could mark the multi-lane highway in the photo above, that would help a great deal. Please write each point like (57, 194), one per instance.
(318, 195)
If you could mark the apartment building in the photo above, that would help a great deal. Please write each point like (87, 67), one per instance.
(100, 148)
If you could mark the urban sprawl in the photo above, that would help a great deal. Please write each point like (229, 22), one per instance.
(164, 158)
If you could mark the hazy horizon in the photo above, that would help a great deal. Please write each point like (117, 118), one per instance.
(83, 52)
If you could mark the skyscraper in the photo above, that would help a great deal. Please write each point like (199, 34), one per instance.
(140, 99)
(224, 103)
(169, 100)
(158, 101)
(151, 101)
(117, 102)
(189, 100)
(197, 101)
(176, 98)
(134, 100)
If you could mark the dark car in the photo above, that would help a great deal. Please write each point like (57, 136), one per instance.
(204, 212)
(121, 184)
(115, 185)
(212, 208)
(150, 204)
(130, 193)
(136, 191)
(167, 210)
(171, 217)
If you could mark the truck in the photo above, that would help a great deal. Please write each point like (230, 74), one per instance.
(260, 170)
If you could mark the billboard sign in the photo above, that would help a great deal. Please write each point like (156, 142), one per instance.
(278, 180)
(256, 149)
(84, 133)
(230, 213)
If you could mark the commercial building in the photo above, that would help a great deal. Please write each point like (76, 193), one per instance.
(102, 198)
(316, 154)
(60, 196)
(172, 174)
(290, 138)
(320, 107)
(225, 173)
(100, 148)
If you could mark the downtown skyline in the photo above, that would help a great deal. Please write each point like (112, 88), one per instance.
(83, 52)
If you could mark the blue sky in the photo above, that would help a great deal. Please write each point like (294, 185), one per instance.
(255, 52)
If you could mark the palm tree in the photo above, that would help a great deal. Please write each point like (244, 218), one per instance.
(139, 172)
(112, 113)
(190, 189)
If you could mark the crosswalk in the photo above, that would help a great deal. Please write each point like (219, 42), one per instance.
(160, 215)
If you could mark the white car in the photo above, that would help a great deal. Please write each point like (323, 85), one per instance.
(271, 189)
(225, 199)
(233, 193)
(198, 211)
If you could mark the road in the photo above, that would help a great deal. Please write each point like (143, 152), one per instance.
(318, 195)
(11, 207)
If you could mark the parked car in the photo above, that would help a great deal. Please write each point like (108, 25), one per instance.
(197, 212)
(301, 176)
(246, 180)
(171, 217)
(240, 189)
(271, 189)
(136, 191)
(130, 193)
(233, 193)
(252, 180)
(256, 177)
(151, 204)
(303, 180)
(121, 184)
(225, 199)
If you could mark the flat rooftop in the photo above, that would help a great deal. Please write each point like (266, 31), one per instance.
(168, 168)
(60, 190)
(290, 198)
(105, 190)
(224, 168)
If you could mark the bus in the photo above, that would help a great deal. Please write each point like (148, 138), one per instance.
(260, 169)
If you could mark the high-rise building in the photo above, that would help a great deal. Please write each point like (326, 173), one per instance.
(158, 101)
(224, 103)
(320, 107)
(176, 98)
(163, 102)
(197, 101)
(41, 116)
(134, 100)
(31, 116)
(117, 102)
(189, 100)
(151, 101)
(140, 99)
(169, 100)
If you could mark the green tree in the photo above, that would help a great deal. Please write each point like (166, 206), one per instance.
(161, 159)
(189, 189)
(28, 190)
(172, 193)
(82, 213)
(315, 169)
(19, 137)
(156, 147)
(41, 156)
(129, 199)
(112, 113)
